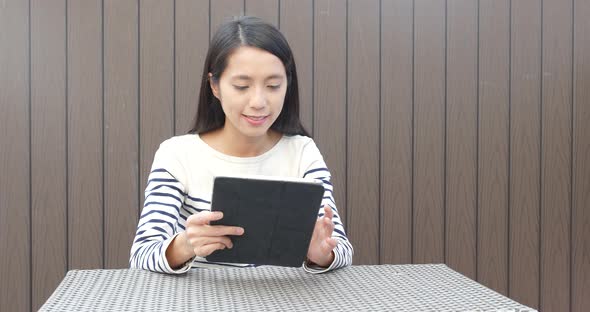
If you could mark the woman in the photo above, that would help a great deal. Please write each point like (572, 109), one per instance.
(247, 123)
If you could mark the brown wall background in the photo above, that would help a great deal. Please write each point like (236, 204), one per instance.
(457, 131)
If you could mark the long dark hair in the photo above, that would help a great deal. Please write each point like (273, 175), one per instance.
(253, 32)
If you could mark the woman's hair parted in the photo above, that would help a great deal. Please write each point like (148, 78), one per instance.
(252, 32)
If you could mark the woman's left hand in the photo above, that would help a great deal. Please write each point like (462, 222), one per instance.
(322, 244)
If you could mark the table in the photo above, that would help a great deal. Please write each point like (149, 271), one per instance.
(427, 287)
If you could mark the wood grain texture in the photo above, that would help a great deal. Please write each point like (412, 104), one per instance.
(85, 141)
(296, 24)
(223, 11)
(556, 156)
(429, 131)
(48, 148)
(156, 97)
(121, 130)
(461, 129)
(268, 10)
(191, 44)
(456, 131)
(363, 129)
(15, 156)
(525, 152)
(493, 144)
(396, 131)
(330, 93)
(580, 230)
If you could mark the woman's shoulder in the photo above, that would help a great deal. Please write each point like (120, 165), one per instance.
(302, 145)
(178, 147)
(179, 142)
(298, 143)
(297, 140)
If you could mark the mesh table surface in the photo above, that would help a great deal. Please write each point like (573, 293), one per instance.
(429, 287)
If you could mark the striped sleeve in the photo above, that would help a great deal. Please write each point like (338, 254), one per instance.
(158, 224)
(313, 166)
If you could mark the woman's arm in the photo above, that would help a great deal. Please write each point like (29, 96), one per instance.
(158, 224)
(313, 166)
(179, 251)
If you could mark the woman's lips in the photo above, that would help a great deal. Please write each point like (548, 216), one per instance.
(255, 120)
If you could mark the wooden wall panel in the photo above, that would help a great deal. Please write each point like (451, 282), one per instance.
(363, 129)
(580, 230)
(455, 131)
(48, 148)
(156, 81)
(397, 40)
(191, 42)
(429, 131)
(461, 129)
(222, 11)
(525, 120)
(297, 24)
(556, 112)
(268, 10)
(121, 132)
(493, 144)
(15, 197)
(85, 130)
(330, 93)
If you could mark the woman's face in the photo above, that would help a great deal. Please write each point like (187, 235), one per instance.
(251, 91)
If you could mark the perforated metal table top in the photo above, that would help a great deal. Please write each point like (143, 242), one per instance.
(429, 287)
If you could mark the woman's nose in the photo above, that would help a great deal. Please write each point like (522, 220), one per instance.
(258, 99)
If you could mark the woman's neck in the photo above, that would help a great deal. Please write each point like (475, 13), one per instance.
(235, 144)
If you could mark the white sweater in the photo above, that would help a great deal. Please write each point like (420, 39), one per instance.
(181, 183)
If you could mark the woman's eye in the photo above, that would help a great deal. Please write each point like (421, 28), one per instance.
(275, 87)
(241, 87)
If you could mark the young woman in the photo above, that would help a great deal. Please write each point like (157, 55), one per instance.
(247, 123)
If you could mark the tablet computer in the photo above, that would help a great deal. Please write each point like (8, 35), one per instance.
(278, 216)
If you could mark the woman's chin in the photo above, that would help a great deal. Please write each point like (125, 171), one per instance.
(254, 133)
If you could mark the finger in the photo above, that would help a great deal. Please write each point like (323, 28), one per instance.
(319, 231)
(219, 230)
(328, 227)
(204, 217)
(324, 212)
(201, 241)
(328, 245)
(325, 229)
(328, 213)
(204, 251)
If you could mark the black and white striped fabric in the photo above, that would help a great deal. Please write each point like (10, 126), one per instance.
(180, 184)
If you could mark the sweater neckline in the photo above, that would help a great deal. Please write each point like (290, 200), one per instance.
(236, 159)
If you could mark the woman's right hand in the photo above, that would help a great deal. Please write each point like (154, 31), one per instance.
(203, 239)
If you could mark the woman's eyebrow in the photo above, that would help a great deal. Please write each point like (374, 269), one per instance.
(241, 77)
(275, 76)
(246, 77)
